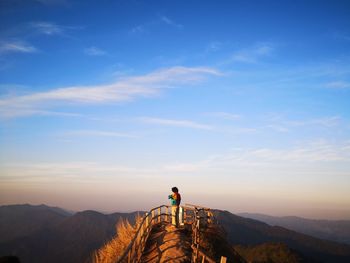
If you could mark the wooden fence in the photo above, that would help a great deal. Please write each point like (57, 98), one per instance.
(192, 215)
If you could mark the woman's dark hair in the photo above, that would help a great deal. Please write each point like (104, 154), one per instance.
(175, 190)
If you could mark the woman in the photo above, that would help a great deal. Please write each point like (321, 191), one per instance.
(175, 200)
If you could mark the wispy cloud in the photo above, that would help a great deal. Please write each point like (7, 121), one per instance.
(16, 47)
(282, 124)
(94, 51)
(312, 152)
(224, 115)
(246, 161)
(213, 46)
(47, 28)
(338, 85)
(252, 55)
(147, 26)
(138, 29)
(278, 128)
(8, 114)
(170, 22)
(127, 89)
(312, 158)
(326, 121)
(64, 171)
(97, 133)
(176, 123)
(50, 28)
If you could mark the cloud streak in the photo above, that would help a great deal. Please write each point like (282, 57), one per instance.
(97, 133)
(176, 123)
(225, 115)
(285, 125)
(170, 22)
(311, 157)
(16, 47)
(252, 55)
(94, 51)
(338, 85)
(47, 28)
(124, 90)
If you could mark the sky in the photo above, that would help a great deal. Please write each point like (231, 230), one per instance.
(243, 105)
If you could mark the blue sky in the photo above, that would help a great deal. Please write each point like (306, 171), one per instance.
(244, 105)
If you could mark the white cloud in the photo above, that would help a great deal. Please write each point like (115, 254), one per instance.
(94, 51)
(64, 171)
(8, 114)
(16, 47)
(338, 85)
(318, 152)
(281, 124)
(50, 28)
(252, 55)
(147, 26)
(170, 22)
(327, 121)
(47, 28)
(127, 89)
(225, 115)
(278, 128)
(214, 46)
(177, 123)
(138, 29)
(99, 133)
(309, 157)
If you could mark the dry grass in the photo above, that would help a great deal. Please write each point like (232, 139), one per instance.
(115, 247)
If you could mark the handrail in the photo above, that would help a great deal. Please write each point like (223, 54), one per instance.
(133, 252)
(130, 251)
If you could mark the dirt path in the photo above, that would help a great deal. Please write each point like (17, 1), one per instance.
(168, 244)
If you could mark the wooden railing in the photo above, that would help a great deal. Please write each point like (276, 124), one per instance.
(133, 251)
(203, 218)
(192, 215)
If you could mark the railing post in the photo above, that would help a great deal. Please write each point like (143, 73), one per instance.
(166, 214)
(185, 215)
(153, 213)
(133, 253)
(159, 215)
(129, 256)
(223, 259)
(138, 243)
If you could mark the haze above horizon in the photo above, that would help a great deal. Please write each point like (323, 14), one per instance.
(243, 105)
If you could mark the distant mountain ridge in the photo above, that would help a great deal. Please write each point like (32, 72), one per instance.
(41, 216)
(250, 232)
(335, 230)
(56, 236)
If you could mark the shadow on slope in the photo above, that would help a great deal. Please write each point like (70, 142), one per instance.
(245, 231)
(72, 239)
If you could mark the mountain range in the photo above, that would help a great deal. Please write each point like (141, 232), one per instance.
(251, 232)
(335, 230)
(49, 234)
